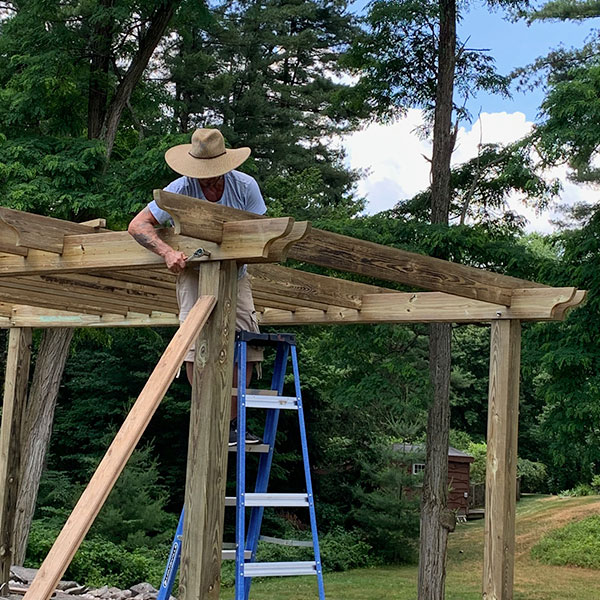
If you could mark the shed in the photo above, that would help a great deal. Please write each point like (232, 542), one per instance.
(459, 465)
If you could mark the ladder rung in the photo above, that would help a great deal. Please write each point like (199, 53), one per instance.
(260, 448)
(256, 401)
(278, 569)
(230, 554)
(234, 392)
(254, 499)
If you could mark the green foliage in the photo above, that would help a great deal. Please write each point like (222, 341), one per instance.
(576, 545)
(387, 507)
(396, 58)
(99, 562)
(479, 452)
(534, 476)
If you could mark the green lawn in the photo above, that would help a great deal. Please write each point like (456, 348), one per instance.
(533, 581)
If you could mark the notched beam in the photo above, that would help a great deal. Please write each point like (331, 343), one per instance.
(37, 231)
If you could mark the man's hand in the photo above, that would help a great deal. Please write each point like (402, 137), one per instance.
(142, 229)
(175, 260)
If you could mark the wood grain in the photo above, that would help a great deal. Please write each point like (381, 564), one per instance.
(358, 256)
(109, 469)
(200, 570)
(40, 232)
(15, 395)
(501, 468)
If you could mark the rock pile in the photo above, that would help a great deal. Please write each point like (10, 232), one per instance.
(21, 578)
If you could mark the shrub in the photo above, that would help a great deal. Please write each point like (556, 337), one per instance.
(98, 561)
(576, 544)
(534, 476)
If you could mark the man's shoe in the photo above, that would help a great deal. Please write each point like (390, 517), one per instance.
(250, 438)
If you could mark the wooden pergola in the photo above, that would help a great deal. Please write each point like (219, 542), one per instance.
(55, 273)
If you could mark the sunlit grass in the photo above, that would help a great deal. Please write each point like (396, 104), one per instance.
(533, 581)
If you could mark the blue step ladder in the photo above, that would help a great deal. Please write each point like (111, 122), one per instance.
(273, 401)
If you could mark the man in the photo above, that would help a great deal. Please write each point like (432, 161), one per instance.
(207, 170)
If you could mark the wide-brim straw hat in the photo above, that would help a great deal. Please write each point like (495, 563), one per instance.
(206, 156)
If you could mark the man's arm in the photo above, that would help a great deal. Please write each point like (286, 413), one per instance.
(142, 229)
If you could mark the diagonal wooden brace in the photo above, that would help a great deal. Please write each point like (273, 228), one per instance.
(115, 459)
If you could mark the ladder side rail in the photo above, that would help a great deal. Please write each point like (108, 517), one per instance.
(240, 511)
(309, 490)
(166, 584)
(266, 460)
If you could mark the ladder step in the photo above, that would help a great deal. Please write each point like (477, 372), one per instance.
(254, 499)
(234, 392)
(279, 569)
(260, 448)
(286, 402)
(230, 554)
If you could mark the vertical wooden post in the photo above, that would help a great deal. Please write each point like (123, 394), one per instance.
(200, 574)
(501, 469)
(15, 394)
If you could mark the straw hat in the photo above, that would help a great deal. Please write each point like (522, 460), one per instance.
(206, 156)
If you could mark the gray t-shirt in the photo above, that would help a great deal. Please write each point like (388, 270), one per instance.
(241, 191)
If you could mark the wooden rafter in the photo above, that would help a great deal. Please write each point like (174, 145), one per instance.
(193, 217)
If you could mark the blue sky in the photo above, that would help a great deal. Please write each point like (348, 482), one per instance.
(394, 159)
(512, 45)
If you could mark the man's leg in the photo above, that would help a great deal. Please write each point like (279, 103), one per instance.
(187, 294)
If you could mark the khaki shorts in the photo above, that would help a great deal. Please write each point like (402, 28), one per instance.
(245, 316)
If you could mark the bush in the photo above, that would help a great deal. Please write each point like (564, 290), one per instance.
(534, 476)
(576, 544)
(581, 489)
(99, 562)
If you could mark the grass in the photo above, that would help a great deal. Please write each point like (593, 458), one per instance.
(536, 516)
(576, 544)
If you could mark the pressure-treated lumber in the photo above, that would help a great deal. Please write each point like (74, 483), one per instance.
(535, 304)
(36, 231)
(118, 454)
(274, 279)
(501, 467)
(208, 436)
(118, 250)
(15, 394)
(349, 254)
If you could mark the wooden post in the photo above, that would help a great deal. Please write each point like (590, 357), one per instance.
(15, 394)
(501, 470)
(200, 573)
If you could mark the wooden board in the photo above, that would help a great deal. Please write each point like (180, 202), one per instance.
(358, 256)
(501, 467)
(105, 477)
(118, 250)
(274, 279)
(37, 231)
(15, 396)
(539, 304)
(200, 570)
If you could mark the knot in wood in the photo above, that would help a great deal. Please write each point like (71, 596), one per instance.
(448, 519)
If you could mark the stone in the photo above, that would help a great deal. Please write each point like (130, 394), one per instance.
(99, 592)
(23, 574)
(145, 587)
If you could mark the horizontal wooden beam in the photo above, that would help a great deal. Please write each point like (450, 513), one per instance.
(358, 256)
(542, 304)
(15, 315)
(118, 250)
(27, 230)
(274, 279)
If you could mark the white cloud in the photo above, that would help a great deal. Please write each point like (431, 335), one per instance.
(394, 158)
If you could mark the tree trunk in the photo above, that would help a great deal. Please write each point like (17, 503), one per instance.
(148, 43)
(436, 519)
(37, 428)
(100, 49)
